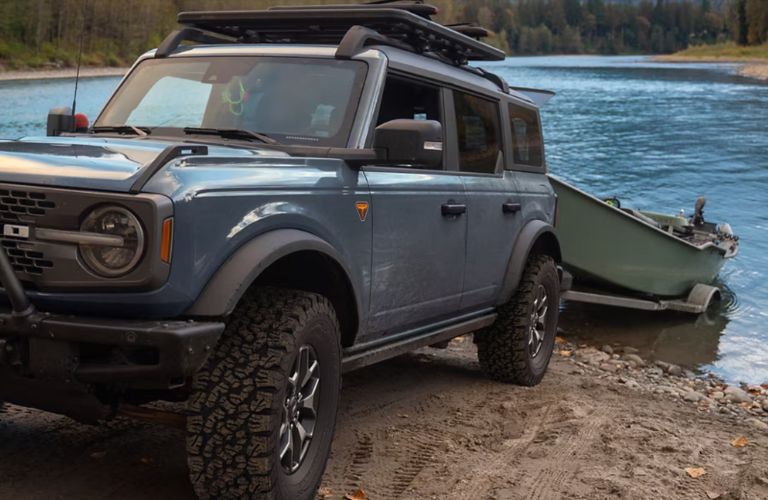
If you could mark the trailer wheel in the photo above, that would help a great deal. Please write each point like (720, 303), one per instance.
(263, 409)
(518, 346)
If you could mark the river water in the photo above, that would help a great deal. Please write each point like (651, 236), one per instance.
(656, 136)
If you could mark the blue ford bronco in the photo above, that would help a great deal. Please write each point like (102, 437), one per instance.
(271, 198)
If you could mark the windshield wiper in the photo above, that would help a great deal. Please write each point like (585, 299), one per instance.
(123, 129)
(231, 133)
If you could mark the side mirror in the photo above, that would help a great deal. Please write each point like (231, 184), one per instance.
(410, 142)
(60, 120)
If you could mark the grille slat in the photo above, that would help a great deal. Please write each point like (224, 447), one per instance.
(31, 262)
(15, 203)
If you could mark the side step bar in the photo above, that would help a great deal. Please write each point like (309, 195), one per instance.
(364, 355)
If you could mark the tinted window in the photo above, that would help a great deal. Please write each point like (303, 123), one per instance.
(526, 136)
(405, 99)
(477, 126)
(409, 100)
(304, 101)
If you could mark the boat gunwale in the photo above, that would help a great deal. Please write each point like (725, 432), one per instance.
(700, 248)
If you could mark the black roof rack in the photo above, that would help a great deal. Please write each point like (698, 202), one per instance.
(470, 30)
(404, 25)
(420, 9)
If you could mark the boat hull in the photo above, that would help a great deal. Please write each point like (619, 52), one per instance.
(604, 245)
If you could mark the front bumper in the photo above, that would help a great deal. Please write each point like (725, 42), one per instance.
(127, 353)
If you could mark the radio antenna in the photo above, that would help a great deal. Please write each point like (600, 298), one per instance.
(79, 57)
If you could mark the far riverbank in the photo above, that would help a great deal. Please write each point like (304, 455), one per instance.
(60, 73)
(754, 59)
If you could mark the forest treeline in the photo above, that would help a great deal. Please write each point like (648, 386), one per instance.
(36, 33)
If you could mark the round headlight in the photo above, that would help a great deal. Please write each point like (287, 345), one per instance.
(104, 259)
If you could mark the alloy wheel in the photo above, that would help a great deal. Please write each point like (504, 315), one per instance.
(300, 409)
(538, 322)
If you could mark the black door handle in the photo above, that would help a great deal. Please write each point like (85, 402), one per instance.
(510, 207)
(453, 208)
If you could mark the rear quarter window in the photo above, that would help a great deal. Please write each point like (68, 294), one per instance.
(527, 144)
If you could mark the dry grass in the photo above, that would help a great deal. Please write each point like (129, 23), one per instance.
(720, 52)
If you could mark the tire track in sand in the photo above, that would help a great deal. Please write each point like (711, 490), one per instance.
(548, 484)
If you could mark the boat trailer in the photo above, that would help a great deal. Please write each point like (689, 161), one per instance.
(699, 299)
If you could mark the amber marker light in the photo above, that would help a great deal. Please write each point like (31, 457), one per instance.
(166, 244)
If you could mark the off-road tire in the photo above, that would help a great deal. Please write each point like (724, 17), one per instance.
(503, 348)
(236, 407)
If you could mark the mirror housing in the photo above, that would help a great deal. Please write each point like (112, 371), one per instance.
(409, 142)
(60, 120)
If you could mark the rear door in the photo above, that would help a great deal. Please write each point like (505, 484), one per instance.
(418, 249)
(526, 160)
(494, 203)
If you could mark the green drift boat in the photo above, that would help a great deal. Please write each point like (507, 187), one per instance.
(606, 245)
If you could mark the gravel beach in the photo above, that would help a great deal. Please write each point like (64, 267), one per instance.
(603, 424)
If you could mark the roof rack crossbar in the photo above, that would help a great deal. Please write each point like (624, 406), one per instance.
(418, 8)
(176, 38)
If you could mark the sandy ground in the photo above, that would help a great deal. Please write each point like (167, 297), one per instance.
(60, 73)
(429, 425)
(756, 70)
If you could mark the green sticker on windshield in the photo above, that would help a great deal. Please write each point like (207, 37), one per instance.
(236, 104)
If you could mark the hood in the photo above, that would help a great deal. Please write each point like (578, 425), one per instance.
(106, 164)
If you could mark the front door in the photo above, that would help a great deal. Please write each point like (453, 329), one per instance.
(419, 228)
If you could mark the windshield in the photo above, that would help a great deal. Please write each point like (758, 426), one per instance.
(293, 100)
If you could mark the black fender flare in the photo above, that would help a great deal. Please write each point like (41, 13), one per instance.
(537, 235)
(228, 284)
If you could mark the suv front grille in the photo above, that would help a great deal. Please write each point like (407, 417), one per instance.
(24, 260)
(16, 202)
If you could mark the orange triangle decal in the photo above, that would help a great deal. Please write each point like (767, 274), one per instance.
(362, 210)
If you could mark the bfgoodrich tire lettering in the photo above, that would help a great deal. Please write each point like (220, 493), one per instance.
(238, 403)
(518, 346)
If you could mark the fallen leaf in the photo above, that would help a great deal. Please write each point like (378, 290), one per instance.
(712, 495)
(566, 354)
(358, 495)
(695, 472)
(325, 492)
(739, 442)
(559, 340)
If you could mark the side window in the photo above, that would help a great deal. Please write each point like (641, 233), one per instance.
(526, 136)
(407, 99)
(477, 126)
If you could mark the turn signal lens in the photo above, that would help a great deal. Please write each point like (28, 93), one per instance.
(166, 244)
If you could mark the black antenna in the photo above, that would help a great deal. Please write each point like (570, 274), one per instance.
(79, 58)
